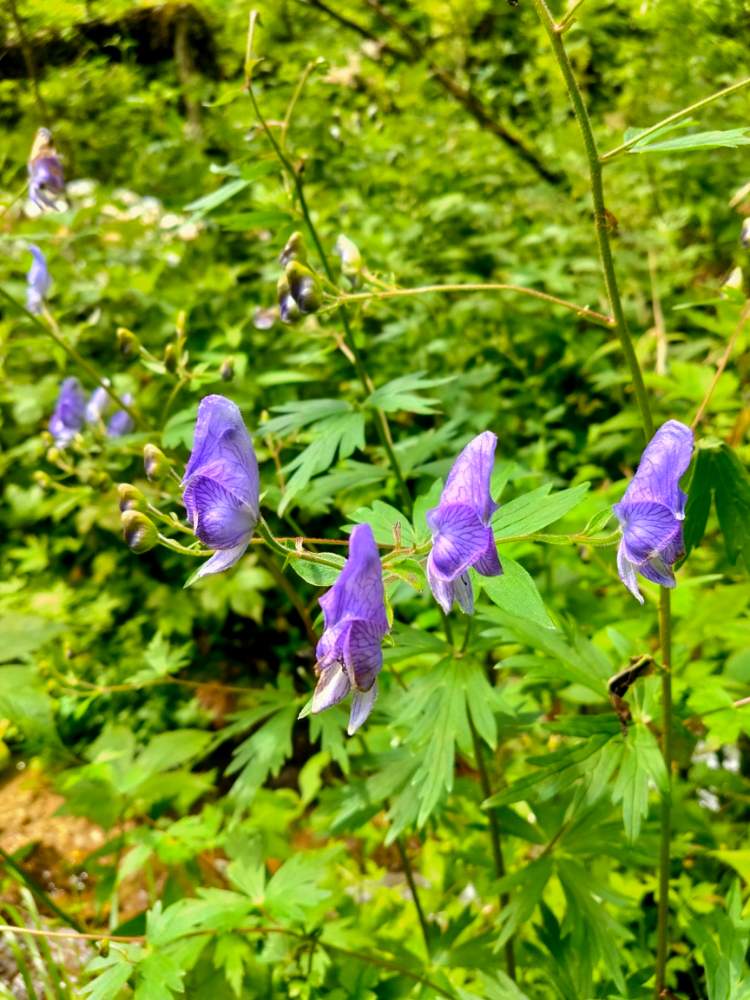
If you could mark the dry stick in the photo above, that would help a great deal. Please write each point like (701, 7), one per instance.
(504, 131)
(723, 361)
(671, 119)
(394, 293)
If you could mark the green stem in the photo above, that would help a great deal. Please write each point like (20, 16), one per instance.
(38, 891)
(600, 212)
(406, 865)
(52, 331)
(671, 119)
(495, 841)
(381, 421)
(665, 636)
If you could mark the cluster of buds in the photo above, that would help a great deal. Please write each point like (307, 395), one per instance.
(298, 289)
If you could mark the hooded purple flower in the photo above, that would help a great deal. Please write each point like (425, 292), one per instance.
(221, 485)
(653, 508)
(121, 422)
(97, 405)
(460, 525)
(38, 281)
(349, 656)
(46, 181)
(70, 413)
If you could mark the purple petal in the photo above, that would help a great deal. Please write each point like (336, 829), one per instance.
(442, 590)
(647, 528)
(488, 564)
(120, 423)
(626, 569)
(662, 465)
(459, 538)
(69, 414)
(656, 569)
(362, 702)
(97, 404)
(363, 657)
(220, 561)
(469, 479)
(332, 687)
(358, 591)
(38, 281)
(220, 518)
(464, 593)
(221, 437)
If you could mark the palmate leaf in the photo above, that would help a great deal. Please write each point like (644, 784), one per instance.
(641, 763)
(718, 473)
(405, 393)
(342, 433)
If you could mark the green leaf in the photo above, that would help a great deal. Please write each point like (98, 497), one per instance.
(731, 138)
(404, 393)
(202, 206)
(262, 754)
(294, 888)
(112, 972)
(640, 764)
(718, 471)
(386, 522)
(535, 510)
(342, 432)
(318, 574)
(516, 593)
(168, 750)
(178, 430)
(25, 703)
(300, 413)
(25, 634)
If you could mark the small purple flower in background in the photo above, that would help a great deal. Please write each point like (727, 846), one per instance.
(653, 509)
(349, 656)
(70, 413)
(46, 181)
(121, 422)
(460, 525)
(97, 405)
(38, 281)
(221, 485)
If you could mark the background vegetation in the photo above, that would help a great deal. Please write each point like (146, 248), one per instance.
(246, 853)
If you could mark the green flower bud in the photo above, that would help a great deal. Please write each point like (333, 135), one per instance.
(170, 358)
(127, 342)
(227, 370)
(155, 463)
(54, 455)
(131, 498)
(294, 250)
(42, 479)
(139, 532)
(351, 259)
(304, 287)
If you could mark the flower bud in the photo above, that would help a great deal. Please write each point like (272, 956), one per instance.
(54, 455)
(42, 479)
(170, 358)
(351, 259)
(745, 233)
(127, 342)
(130, 498)
(294, 250)
(155, 463)
(139, 532)
(263, 319)
(288, 308)
(227, 370)
(304, 287)
(47, 438)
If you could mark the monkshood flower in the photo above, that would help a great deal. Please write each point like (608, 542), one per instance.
(460, 525)
(70, 413)
(46, 181)
(653, 509)
(97, 405)
(221, 485)
(348, 654)
(38, 281)
(121, 422)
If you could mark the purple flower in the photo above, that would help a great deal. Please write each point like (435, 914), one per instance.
(46, 181)
(349, 656)
(121, 422)
(70, 413)
(460, 525)
(221, 485)
(97, 405)
(38, 281)
(653, 508)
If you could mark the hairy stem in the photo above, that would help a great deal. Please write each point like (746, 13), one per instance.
(406, 865)
(495, 841)
(662, 933)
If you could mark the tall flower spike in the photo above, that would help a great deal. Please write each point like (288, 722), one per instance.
(121, 422)
(38, 281)
(349, 656)
(460, 525)
(221, 486)
(70, 413)
(653, 509)
(46, 181)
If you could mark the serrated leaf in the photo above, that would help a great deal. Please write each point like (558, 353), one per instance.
(262, 754)
(516, 593)
(712, 139)
(294, 887)
(300, 413)
(535, 510)
(386, 522)
(404, 393)
(168, 750)
(318, 574)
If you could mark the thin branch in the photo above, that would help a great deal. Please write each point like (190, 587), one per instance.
(566, 20)
(590, 314)
(347, 22)
(406, 865)
(723, 361)
(671, 119)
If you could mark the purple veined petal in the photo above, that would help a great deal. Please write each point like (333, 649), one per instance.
(464, 593)
(332, 687)
(647, 528)
(330, 647)
(363, 657)
(626, 570)
(442, 590)
(219, 518)
(362, 702)
(358, 591)
(219, 561)
(656, 569)
(468, 481)
(232, 479)
(663, 463)
(459, 538)
(221, 435)
(488, 564)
